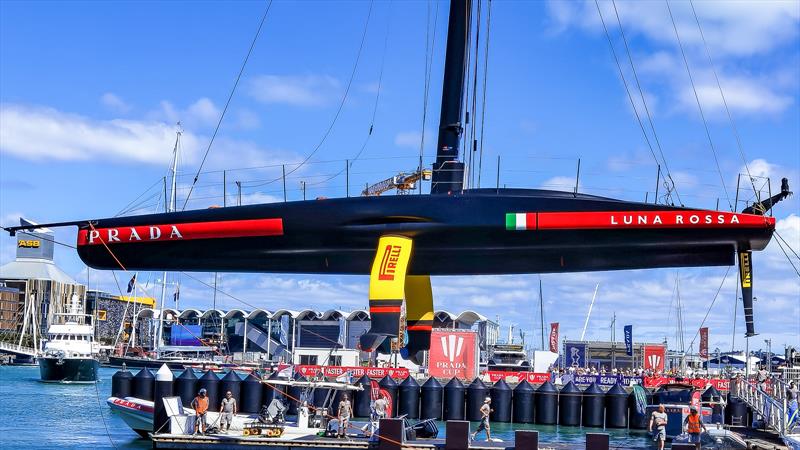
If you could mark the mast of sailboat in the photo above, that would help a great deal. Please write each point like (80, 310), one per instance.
(541, 311)
(585, 324)
(169, 206)
(448, 171)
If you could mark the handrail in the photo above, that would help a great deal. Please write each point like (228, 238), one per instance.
(771, 409)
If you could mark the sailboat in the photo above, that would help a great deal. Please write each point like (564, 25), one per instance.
(453, 230)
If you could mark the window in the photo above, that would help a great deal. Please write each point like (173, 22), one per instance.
(335, 360)
(308, 360)
(101, 314)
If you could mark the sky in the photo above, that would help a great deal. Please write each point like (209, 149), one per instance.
(90, 95)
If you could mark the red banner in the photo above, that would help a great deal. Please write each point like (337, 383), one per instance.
(554, 337)
(532, 377)
(356, 372)
(704, 342)
(654, 357)
(453, 354)
(698, 383)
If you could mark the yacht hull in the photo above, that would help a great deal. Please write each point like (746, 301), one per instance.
(68, 370)
(476, 232)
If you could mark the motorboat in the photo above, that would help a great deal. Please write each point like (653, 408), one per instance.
(70, 351)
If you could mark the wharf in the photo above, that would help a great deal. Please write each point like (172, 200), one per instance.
(760, 439)
(310, 442)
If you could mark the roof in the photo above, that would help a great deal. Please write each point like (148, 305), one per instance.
(36, 269)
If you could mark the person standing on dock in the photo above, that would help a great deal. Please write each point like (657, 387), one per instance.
(486, 410)
(659, 419)
(200, 406)
(344, 414)
(226, 411)
(693, 424)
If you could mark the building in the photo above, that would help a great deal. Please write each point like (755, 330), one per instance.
(44, 289)
(303, 337)
(10, 302)
(113, 314)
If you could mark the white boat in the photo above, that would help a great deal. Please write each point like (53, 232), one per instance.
(69, 354)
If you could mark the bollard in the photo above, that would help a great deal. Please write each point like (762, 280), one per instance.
(122, 384)
(526, 440)
(596, 441)
(457, 435)
(163, 389)
(392, 433)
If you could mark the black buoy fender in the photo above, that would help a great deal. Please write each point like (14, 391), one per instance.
(408, 403)
(569, 405)
(186, 386)
(210, 382)
(592, 407)
(122, 384)
(616, 402)
(454, 397)
(476, 394)
(501, 402)
(251, 394)
(143, 385)
(524, 402)
(547, 404)
(431, 400)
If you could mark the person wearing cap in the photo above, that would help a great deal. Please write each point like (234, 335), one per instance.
(200, 406)
(693, 424)
(486, 410)
(226, 411)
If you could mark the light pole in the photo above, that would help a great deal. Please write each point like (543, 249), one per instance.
(769, 354)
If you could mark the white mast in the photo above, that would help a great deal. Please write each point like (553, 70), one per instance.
(585, 324)
(170, 207)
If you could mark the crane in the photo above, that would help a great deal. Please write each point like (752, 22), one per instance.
(404, 182)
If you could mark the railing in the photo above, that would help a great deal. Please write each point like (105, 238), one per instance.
(14, 348)
(772, 409)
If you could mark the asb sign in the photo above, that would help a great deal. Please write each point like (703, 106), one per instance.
(453, 354)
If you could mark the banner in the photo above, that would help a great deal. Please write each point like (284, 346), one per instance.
(575, 355)
(654, 357)
(531, 377)
(554, 337)
(704, 342)
(628, 340)
(186, 335)
(355, 372)
(453, 354)
(699, 383)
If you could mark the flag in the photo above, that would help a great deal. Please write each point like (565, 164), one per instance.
(285, 370)
(520, 221)
(374, 390)
(131, 284)
(628, 340)
(704, 342)
(177, 295)
(554, 337)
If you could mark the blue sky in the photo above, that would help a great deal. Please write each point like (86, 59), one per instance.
(90, 94)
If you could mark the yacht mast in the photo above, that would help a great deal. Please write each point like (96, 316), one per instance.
(448, 171)
(169, 206)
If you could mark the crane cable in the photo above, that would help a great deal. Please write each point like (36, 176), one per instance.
(699, 106)
(630, 97)
(670, 186)
(725, 103)
(338, 110)
(228, 102)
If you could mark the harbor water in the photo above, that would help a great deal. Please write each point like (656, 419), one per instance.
(36, 415)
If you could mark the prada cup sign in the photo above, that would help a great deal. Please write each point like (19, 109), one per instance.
(453, 354)
(654, 357)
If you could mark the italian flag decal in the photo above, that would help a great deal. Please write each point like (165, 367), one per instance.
(520, 221)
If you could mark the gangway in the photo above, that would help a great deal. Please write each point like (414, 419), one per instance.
(7, 347)
(772, 406)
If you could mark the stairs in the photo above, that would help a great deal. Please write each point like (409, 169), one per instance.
(771, 405)
(256, 335)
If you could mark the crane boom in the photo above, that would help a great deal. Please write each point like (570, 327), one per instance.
(403, 182)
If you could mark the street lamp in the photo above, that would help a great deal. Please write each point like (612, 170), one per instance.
(769, 354)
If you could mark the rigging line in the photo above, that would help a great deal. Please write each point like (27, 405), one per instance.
(787, 244)
(485, 74)
(430, 45)
(627, 88)
(137, 198)
(788, 258)
(228, 102)
(725, 102)
(338, 110)
(708, 311)
(374, 106)
(644, 102)
(699, 106)
(471, 146)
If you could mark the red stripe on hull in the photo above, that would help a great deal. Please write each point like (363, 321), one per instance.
(182, 231)
(384, 309)
(649, 219)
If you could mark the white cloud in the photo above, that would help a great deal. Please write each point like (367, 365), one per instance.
(38, 133)
(409, 139)
(204, 111)
(742, 94)
(114, 103)
(559, 183)
(294, 90)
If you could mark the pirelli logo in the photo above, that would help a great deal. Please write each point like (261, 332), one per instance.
(389, 260)
(745, 270)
